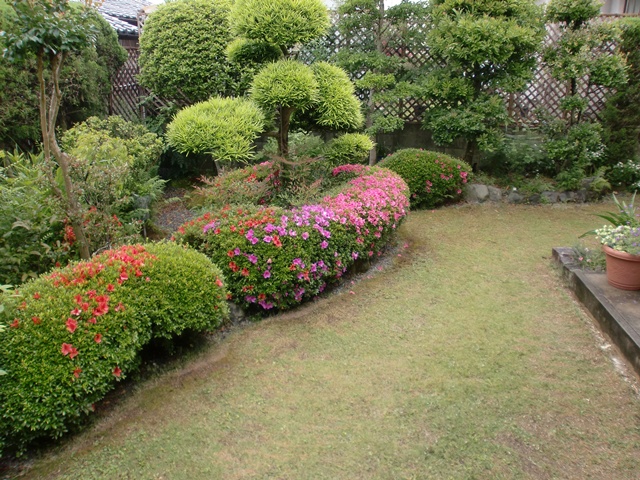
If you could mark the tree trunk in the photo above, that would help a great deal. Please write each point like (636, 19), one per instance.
(50, 147)
(368, 124)
(283, 133)
(470, 153)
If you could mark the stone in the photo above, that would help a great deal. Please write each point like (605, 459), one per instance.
(476, 193)
(534, 199)
(551, 197)
(495, 194)
(581, 196)
(515, 197)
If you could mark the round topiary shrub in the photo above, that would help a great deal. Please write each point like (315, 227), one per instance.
(183, 51)
(434, 178)
(72, 334)
(276, 258)
(350, 148)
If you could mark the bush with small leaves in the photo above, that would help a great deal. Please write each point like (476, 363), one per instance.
(276, 258)
(224, 128)
(434, 178)
(283, 23)
(183, 52)
(73, 333)
(349, 148)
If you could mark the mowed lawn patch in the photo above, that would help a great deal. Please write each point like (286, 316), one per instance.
(466, 357)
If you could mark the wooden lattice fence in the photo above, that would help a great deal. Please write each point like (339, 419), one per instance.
(132, 101)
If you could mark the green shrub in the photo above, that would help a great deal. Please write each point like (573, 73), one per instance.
(336, 105)
(276, 258)
(114, 168)
(224, 128)
(287, 83)
(182, 52)
(78, 330)
(85, 81)
(349, 148)
(248, 185)
(31, 220)
(284, 23)
(433, 178)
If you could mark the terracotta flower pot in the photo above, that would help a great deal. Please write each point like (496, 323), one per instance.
(623, 269)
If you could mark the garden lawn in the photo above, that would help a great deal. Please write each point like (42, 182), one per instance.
(464, 358)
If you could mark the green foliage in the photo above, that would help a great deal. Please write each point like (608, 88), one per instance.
(115, 166)
(248, 185)
(433, 178)
(77, 331)
(243, 51)
(625, 174)
(350, 148)
(222, 127)
(31, 220)
(85, 83)
(521, 154)
(283, 23)
(581, 59)
(626, 215)
(370, 31)
(485, 46)
(182, 52)
(336, 105)
(86, 75)
(287, 83)
(621, 116)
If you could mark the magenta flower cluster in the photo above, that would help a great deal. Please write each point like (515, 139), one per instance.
(273, 257)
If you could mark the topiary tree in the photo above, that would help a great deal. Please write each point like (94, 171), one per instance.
(280, 23)
(581, 59)
(372, 31)
(182, 52)
(221, 127)
(484, 46)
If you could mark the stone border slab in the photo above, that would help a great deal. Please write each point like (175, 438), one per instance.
(617, 311)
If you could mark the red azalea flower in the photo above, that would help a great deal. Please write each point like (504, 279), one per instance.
(91, 293)
(124, 276)
(92, 320)
(245, 272)
(76, 372)
(100, 310)
(120, 307)
(233, 266)
(262, 296)
(138, 273)
(98, 338)
(219, 282)
(230, 254)
(36, 296)
(76, 311)
(78, 299)
(73, 353)
(22, 306)
(84, 306)
(117, 372)
(229, 296)
(36, 320)
(66, 349)
(15, 323)
(110, 288)
(71, 325)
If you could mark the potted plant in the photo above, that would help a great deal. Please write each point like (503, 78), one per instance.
(621, 245)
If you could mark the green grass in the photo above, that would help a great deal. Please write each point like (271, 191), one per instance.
(466, 358)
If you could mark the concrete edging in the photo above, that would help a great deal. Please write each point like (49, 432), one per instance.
(616, 311)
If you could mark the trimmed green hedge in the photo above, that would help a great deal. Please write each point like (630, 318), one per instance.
(75, 332)
(434, 178)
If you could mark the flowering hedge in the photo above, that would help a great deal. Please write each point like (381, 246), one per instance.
(276, 258)
(433, 178)
(76, 331)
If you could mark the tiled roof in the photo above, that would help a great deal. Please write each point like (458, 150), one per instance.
(119, 25)
(123, 9)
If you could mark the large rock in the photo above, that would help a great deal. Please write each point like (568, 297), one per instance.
(495, 194)
(476, 193)
(551, 197)
(515, 197)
